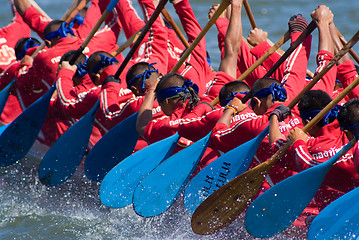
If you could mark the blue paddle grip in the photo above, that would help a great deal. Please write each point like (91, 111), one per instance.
(111, 5)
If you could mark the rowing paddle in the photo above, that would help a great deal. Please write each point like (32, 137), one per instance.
(109, 150)
(117, 187)
(221, 171)
(225, 204)
(278, 207)
(18, 137)
(124, 128)
(339, 220)
(163, 185)
(65, 155)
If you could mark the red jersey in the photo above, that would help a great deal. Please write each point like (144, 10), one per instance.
(195, 67)
(346, 74)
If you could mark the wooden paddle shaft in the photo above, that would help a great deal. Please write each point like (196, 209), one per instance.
(188, 51)
(254, 25)
(128, 43)
(299, 40)
(351, 51)
(336, 58)
(266, 55)
(145, 29)
(174, 26)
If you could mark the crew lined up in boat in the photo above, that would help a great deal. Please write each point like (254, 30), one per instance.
(169, 103)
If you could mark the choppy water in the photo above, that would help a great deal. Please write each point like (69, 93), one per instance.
(29, 210)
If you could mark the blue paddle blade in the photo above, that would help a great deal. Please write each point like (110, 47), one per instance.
(65, 155)
(339, 220)
(4, 95)
(117, 187)
(2, 128)
(112, 148)
(20, 135)
(162, 186)
(220, 171)
(278, 207)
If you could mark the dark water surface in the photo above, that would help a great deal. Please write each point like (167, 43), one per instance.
(29, 210)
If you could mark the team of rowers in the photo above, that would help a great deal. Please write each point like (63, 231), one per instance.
(181, 102)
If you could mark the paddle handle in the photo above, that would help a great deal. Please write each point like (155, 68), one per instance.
(351, 51)
(127, 44)
(174, 26)
(69, 16)
(266, 55)
(310, 28)
(249, 14)
(145, 29)
(300, 39)
(317, 77)
(104, 15)
(189, 50)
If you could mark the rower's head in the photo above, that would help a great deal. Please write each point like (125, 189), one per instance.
(311, 104)
(173, 89)
(25, 46)
(348, 118)
(232, 89)
(265, 92)
(80, 62)
(55, 30)
(97, 63)
(139, 76)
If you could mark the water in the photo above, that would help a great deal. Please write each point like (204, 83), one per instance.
(30, 210)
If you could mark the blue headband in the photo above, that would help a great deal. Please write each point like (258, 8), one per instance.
(278, 92)
(63, 31)
(145, 75)
(78, 19)
(173, 91)
(30, 43)
(328, 118)
(230, 98)
(81, 69)
(105, 61)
